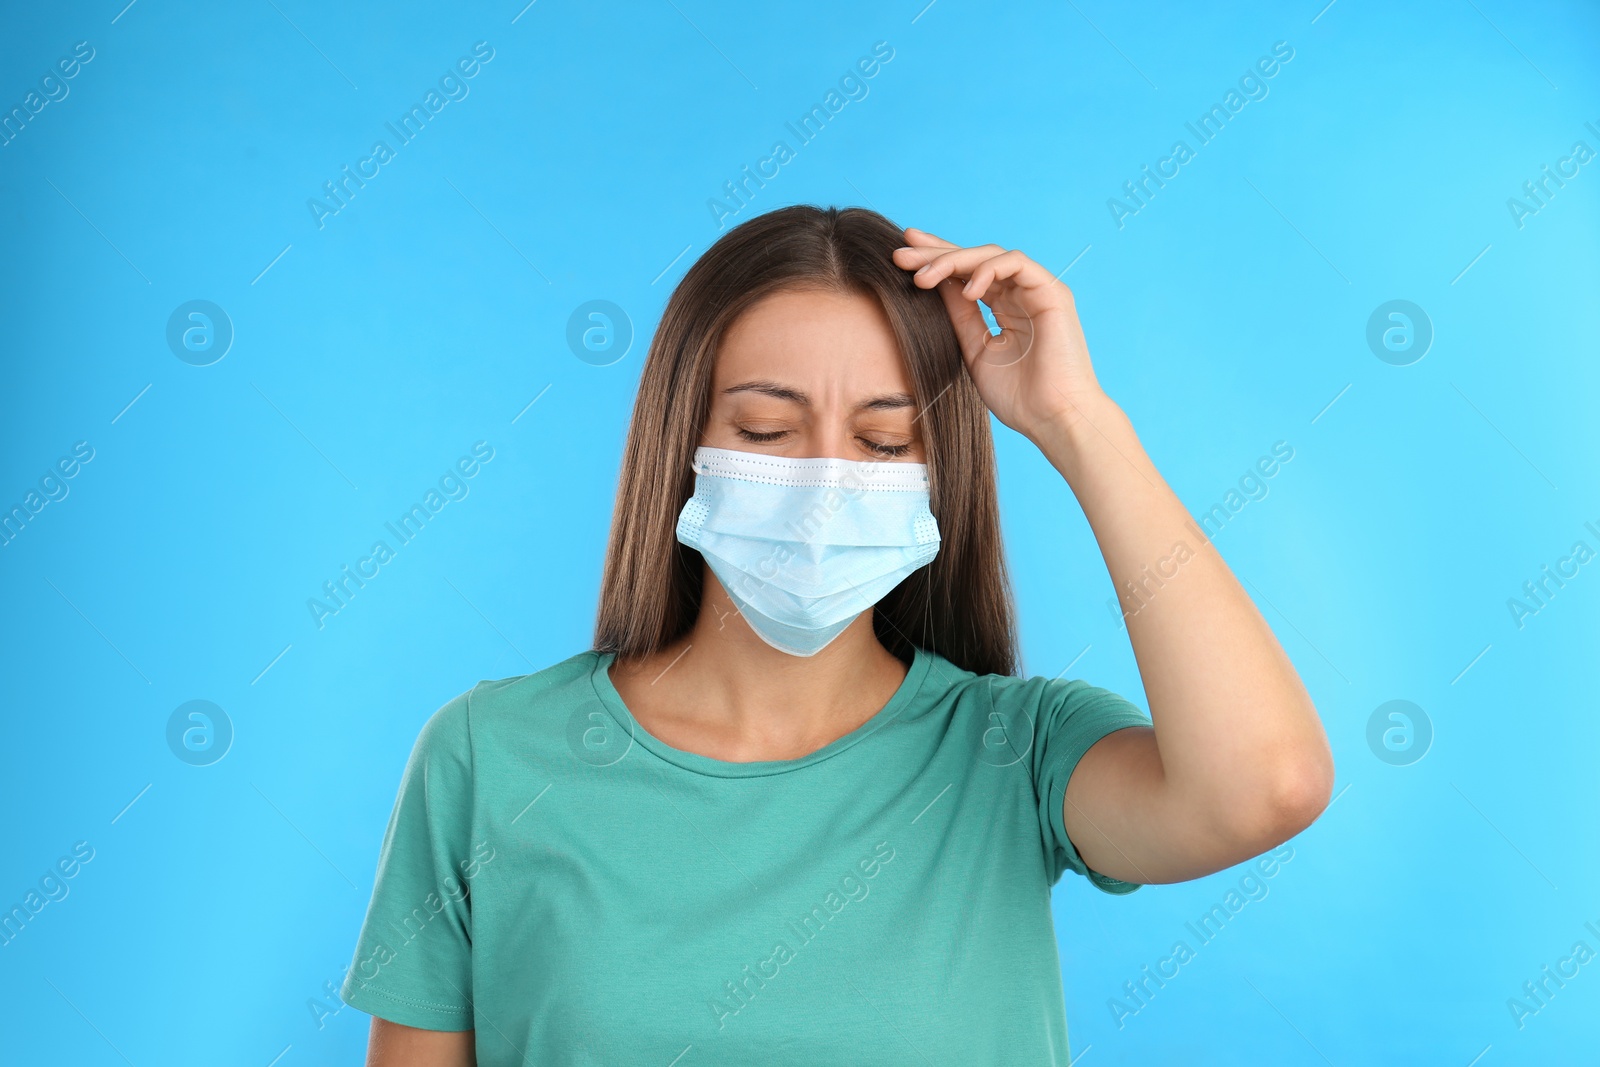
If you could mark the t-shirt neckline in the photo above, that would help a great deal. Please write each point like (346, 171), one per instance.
(611, 700)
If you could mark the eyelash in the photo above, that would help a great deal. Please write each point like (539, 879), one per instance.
(767, 438)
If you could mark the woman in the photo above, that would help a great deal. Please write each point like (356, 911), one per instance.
(796, 807)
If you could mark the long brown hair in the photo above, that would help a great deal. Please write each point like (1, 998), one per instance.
(960, 604)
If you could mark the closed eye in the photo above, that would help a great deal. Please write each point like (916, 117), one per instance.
(883, 449)
(878, 448)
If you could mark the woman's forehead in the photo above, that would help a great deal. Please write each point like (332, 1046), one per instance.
(810, 339)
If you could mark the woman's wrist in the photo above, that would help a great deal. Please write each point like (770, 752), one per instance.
(1085, 428)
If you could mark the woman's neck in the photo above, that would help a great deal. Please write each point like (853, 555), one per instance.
(721, 691)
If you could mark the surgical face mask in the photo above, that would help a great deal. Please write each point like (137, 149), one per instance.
(803, 546)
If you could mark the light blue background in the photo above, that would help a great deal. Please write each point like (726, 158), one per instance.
(428, 313)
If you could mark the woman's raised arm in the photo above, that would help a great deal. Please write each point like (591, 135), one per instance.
(1237, 760)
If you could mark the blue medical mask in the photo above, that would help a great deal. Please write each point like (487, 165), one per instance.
(803, 546)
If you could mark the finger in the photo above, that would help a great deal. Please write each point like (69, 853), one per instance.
(1021, 280)
(954, 262)
(1010, 266)
(911, 257)
(915, 236)
(922, 248)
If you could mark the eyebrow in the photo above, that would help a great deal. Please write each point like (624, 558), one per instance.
(767, 387)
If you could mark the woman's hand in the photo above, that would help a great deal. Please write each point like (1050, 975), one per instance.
(1035, 373)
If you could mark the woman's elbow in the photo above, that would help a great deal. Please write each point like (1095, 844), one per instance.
(1299, 793)
(1288, 798)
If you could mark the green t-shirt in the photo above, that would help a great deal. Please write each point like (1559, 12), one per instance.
(578, 892)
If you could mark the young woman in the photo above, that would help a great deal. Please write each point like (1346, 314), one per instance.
(797, 806)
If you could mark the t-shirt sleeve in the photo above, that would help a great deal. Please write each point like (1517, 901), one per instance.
(1071, 717)
(413, 959)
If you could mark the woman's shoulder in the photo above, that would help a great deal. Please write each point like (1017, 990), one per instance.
(493, 702)
(522, 697)
(502, 715)
(573, 673)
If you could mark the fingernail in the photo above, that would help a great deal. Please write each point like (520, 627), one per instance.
(924, 268)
